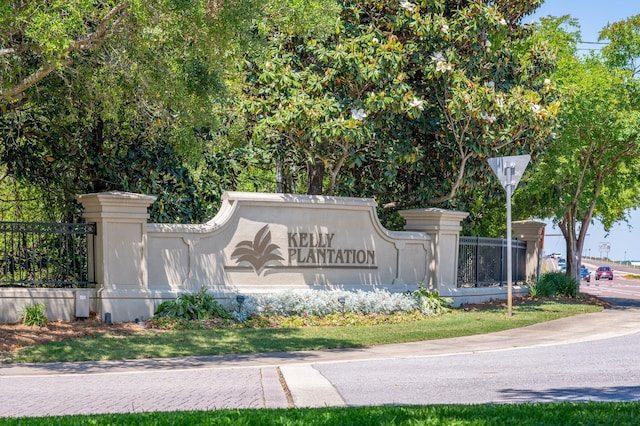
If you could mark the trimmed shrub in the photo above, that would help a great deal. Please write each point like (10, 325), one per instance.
(304, 303)
(320, 302)
(554, 284)
(200, 306)
(328, 302)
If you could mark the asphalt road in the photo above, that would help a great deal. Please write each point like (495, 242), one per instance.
(622, 291)
(604, 370)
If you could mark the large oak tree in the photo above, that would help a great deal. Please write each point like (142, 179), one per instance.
(113, 95)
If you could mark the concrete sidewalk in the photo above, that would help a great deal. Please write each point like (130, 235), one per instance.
(268, 380)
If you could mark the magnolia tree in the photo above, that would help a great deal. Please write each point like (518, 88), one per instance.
(406, 100)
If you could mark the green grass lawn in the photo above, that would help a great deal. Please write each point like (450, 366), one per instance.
(459, 415)
(162, 344)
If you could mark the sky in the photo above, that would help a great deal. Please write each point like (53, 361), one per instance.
(593, 15)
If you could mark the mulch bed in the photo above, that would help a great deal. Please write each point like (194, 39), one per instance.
(16, 336)
(497, 304)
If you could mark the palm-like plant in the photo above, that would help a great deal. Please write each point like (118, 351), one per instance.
(258, 252)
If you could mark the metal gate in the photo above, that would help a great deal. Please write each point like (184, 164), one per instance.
(482, 262)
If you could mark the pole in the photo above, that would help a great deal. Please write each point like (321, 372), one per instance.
(509, 170)
(509, 188)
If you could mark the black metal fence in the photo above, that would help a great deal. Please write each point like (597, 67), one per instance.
(482, 262)
(46, 254)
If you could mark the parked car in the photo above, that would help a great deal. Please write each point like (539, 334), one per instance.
(604, 272)
(584, 273)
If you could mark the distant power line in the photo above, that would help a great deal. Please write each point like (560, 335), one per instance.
(599, 43)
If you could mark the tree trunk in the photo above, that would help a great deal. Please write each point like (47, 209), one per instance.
(279, 177)
(573, 260)
(574, 243)
(568, 228)
(315, 177)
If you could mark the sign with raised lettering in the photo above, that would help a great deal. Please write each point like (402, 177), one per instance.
(319, 250)
(304, 250)
(259, 242)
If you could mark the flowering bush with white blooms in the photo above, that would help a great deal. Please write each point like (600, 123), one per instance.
(358, 114)
(326, 302)
(489, 118)
(441, 62)
(405, 97)
(417, 103)
(438, 57)
(408, 6)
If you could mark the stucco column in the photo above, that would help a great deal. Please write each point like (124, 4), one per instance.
(120, 251)
(532, 232)
(443, 226)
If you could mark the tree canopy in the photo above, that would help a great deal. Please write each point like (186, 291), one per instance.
(110, 95)
(623, 47)
(406, 101)
(592, 169)
(402, 101)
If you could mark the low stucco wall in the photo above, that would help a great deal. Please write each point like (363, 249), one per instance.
(464, 295)
(61, 303)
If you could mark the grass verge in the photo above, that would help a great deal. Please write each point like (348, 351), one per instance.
(592, 413)
(163, 344)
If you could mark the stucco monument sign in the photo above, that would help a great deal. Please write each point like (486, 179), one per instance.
(261, 241)
(256, 243)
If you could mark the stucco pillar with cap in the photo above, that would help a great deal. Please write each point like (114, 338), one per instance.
(443, 226)
(533, 233)
(120, 252)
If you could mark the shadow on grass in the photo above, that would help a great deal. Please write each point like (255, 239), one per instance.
(241, 344)
(173, 349)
